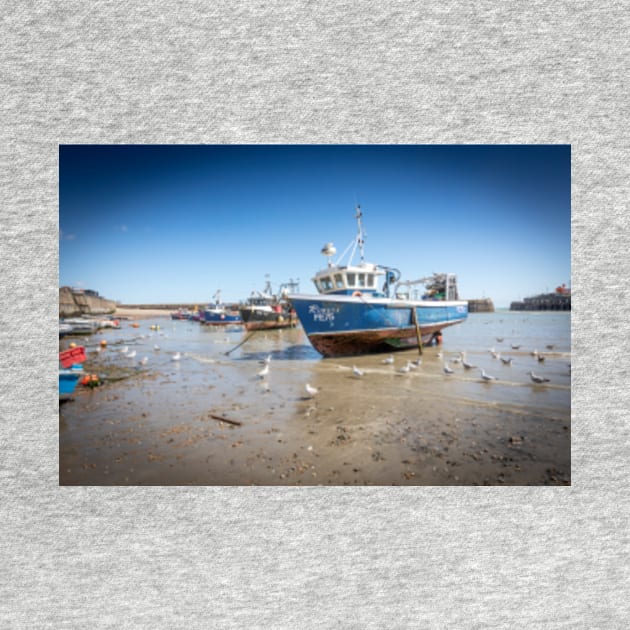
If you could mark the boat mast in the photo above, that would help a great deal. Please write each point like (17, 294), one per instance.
(360, 239)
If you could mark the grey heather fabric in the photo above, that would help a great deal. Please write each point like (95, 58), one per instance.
(303, 72)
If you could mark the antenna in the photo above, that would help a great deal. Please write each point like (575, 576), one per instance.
(360, 233)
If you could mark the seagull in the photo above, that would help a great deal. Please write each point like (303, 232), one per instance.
(143, 361)
(439, 355)
(389, 360)
(405, 369)
(534, 353)
(264, 371)
(487, 377)
(176, 357)
(268, 359)
(457, 359)
(156, 347)
(500, 339)
(357, 371)
(417, 362)
(541, 358)
(124, 350)
(496, 355)
(550, 346)
(412, 365)
(515, 347)
(311, 391)
(131, 355)
(468, 366)
(448, 370)
(506, 361)
(538, 379)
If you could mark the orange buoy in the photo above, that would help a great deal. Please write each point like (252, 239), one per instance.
(103, 342)
(73, 345)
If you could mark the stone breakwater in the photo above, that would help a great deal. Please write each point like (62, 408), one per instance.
(74, 303)
(544, 302)
(484, 305)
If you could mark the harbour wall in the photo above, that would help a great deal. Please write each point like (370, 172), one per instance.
(544, 302)
(74, 304)
(484, 305)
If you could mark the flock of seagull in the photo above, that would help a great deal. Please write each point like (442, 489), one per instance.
(413, 365)
(460, 359)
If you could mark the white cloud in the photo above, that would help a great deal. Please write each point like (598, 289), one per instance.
(63, 236)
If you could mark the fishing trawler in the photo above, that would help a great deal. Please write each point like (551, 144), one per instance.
(366, 308)
(265, 310)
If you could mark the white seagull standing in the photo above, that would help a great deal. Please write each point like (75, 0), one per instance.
(311, 391)
(487, 377)
(507, 361)
(417, 362)
(404, 369)
(156, 347)
(124, 350)
(176, 357)
(538, 379)
(389, 360)
(131, 355)
(357, 372)
(264, 371)
(143, 361)
(447, 370)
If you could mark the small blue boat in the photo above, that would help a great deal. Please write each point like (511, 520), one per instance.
(217, 314)
(68, 380)
(366, 308)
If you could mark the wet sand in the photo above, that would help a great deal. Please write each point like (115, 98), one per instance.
(423, 428)
(141, 313)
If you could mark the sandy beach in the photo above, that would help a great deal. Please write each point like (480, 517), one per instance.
(161, 423)
(141, 313)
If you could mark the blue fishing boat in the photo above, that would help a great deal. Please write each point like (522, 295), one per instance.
(217, 314)
(367, 308)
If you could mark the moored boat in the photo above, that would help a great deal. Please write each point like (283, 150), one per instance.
(218, 314)
(80, 325)
(70, 370)
(181, 313)
(266, 310)
(366, 308)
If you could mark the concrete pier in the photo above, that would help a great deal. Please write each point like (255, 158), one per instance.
(484, 305)
(544, 302)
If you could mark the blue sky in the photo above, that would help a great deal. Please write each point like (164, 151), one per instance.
(174, 223)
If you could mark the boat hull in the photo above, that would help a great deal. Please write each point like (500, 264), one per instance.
(264, 320)
(345, 326)
(221, 319)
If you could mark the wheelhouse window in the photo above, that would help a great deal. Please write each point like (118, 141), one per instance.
(370, 280)
(350, 277)
(361, 278)
(339, 281)
(326, 283)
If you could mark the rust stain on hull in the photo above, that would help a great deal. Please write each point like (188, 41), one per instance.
(271, 325)
(371, 341)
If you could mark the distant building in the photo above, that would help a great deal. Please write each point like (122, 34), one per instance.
(558, 301)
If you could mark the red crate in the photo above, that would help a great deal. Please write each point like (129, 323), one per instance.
(72, 356)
